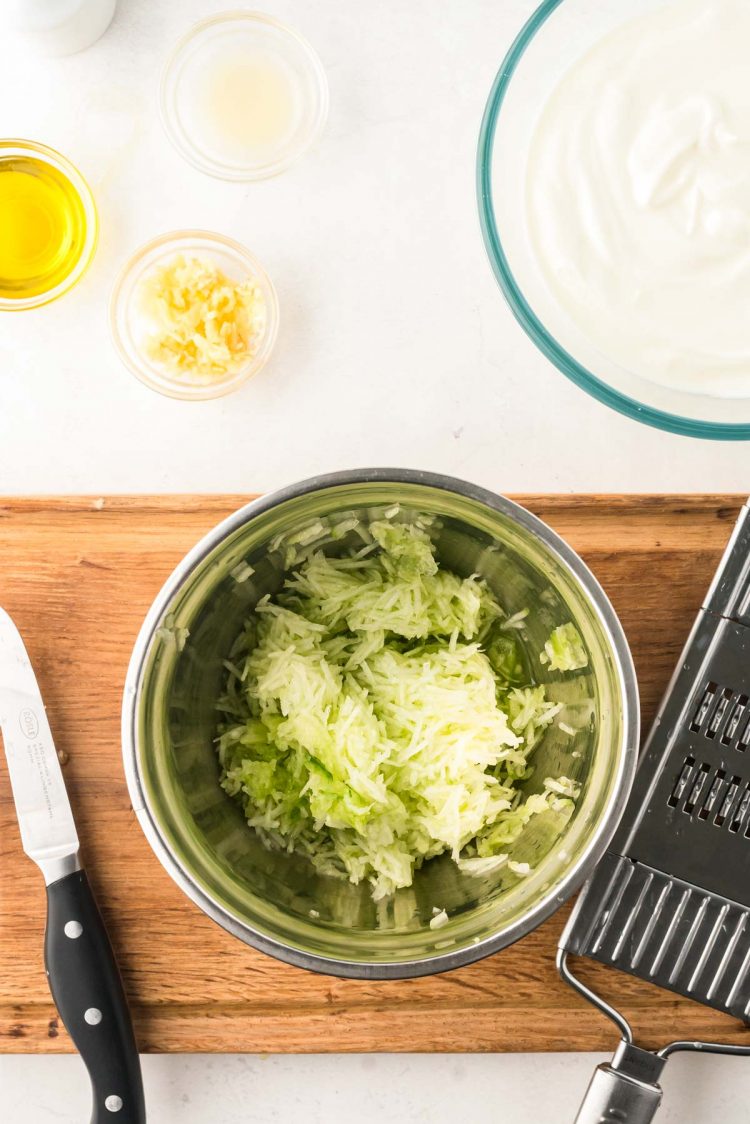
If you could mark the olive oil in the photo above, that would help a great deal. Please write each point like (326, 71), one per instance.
(43, 227)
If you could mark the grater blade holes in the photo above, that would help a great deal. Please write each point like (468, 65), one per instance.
(735, 722)
(723, 713)
(741, 811)
(697, 790)
(708, 794)
(712, 796)
(704, 706)
(719, 712)
(682, 782)
(744, 740)
(725, 807)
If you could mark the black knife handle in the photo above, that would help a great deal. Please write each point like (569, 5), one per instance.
(88, 993)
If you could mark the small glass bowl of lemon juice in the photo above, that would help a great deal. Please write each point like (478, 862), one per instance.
(243, 96)
(48, 225)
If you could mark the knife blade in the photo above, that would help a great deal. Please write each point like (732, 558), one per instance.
(48, 832)
(81, 968)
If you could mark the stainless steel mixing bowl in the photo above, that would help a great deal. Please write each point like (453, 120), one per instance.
(278, 902)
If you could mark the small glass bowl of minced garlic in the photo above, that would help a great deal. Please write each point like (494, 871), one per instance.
(194, 315)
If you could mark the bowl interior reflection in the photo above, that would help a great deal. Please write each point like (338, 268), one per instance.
(281, 895)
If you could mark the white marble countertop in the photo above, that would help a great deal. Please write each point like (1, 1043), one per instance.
(370, 1089)
(395, 348)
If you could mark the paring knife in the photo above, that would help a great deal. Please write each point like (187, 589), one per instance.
(81, 968)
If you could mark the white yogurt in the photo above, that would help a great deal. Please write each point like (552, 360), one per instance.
(638, 196)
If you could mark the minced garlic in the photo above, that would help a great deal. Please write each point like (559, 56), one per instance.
(201, 324)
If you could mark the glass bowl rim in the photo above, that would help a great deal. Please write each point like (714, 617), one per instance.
(51, 156)
(519, 306)
(201, 392)
(189, 151)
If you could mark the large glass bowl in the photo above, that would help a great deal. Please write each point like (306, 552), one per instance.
(558, 33)
(278, 902)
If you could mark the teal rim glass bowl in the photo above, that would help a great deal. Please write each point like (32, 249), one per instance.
(558, 33)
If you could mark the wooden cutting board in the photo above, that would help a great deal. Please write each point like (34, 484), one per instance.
(77, 575)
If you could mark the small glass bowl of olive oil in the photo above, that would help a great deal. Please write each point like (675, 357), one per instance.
(48, 225)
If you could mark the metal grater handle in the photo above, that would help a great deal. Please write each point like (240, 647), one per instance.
(625, 1090)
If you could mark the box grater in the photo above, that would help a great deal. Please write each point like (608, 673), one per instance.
(670, 900)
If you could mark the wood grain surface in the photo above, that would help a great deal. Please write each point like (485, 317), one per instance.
(77, 575)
